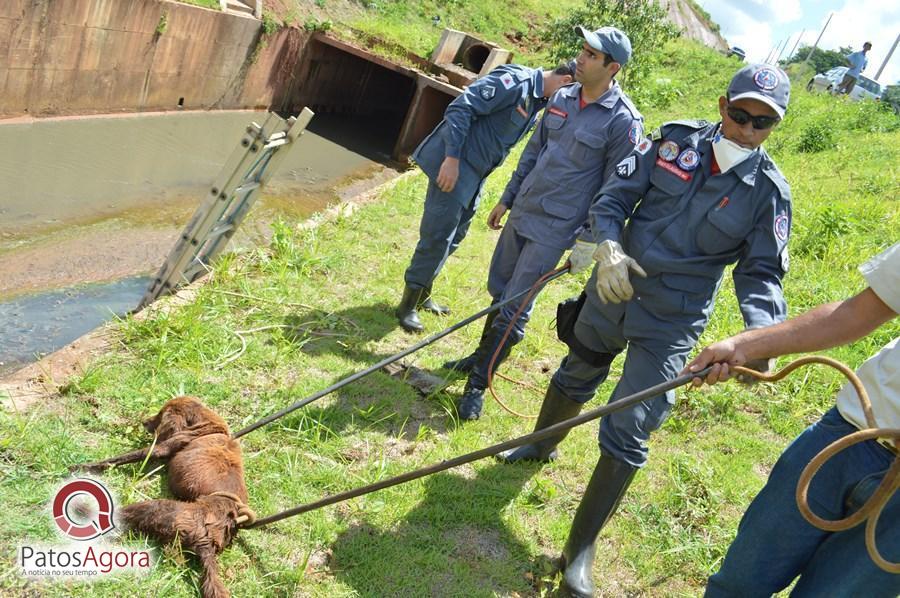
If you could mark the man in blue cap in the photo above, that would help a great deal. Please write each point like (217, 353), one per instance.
(586, 130)
(690, 200)
(479, 128)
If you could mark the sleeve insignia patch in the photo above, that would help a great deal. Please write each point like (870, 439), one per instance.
(627, 167)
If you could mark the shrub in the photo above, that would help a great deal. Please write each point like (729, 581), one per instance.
(816, 137)
(645, 23)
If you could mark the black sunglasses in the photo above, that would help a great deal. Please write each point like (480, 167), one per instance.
(742, 117)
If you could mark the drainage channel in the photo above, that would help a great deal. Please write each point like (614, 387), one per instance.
(101, 199)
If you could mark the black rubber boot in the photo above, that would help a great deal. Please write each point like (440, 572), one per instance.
(470, 403)
(428, 304)
(608, 484)
(472, 400)
(406, 312)
(556, 407)
(466, 364)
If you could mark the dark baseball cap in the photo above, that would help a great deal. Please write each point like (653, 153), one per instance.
(609, 40)
(764, 82)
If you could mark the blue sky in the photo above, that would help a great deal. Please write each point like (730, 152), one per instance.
(758, 26)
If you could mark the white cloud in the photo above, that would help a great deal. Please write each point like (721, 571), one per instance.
(876, 21)
(746, 25)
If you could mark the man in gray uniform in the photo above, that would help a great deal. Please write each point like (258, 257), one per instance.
(479, 128)
(709, 196)
(587, 128)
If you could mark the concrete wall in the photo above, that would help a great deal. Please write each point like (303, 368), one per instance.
(95, 56)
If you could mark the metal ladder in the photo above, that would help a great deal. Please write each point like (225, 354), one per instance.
(252, 163)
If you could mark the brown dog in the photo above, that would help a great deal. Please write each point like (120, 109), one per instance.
(206, 473)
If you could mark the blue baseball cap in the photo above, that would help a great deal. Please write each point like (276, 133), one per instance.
(764, 82)
(609, 40)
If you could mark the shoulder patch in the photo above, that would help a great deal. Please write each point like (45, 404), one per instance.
(656, 134)
(644, 146)
(487, 92)
(782, 226)
(507, 81)
(635, 131)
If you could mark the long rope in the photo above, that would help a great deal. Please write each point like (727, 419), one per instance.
(509, 327)
(485, 452)
(396, 357)
(871, 511)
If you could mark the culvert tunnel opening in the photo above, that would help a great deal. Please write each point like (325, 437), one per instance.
(359, 104)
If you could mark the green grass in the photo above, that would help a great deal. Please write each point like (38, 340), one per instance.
(214, 4)
(327, 297)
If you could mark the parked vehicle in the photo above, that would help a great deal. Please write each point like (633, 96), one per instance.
(865, 89)
(735, 51)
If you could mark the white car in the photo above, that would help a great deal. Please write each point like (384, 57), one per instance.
(865, 88)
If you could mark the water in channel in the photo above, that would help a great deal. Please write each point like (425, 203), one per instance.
(90, 207)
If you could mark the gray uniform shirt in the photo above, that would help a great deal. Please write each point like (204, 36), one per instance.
(691, 223)
(569, 156)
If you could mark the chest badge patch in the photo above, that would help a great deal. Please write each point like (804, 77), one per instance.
(635, 132)
(782, 226)
(557, 111)
(684, 176)
(668, 150)
(688, 159)
(488, 92)
(626, 167)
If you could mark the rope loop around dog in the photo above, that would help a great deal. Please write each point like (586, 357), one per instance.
(246, 515)
(871, 511)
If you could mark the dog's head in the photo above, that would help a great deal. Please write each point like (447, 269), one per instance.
(183, 414)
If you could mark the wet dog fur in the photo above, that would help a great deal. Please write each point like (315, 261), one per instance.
(203, 460)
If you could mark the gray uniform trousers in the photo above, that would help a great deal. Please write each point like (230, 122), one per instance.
(444, 225)
(656, 350)
(517, 264)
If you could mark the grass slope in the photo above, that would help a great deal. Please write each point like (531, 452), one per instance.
(322, 301)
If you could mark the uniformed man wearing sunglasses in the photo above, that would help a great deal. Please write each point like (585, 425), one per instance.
(688, 201)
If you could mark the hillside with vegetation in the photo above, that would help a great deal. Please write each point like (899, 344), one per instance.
(278, 323)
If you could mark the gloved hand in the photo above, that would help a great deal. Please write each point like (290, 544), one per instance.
(582, 256)
(764, 365)
(612, 272)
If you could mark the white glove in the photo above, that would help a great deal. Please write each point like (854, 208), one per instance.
(612, 272)
(582, 256)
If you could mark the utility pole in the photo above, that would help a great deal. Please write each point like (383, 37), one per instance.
(888, 57)
(815, 45)
(777, 58)
(796, 43)
(772, 53)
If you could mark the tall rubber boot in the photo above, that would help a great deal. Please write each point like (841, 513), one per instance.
(406, 312)
(472, 400)
(556, 407)
(428, 304)
(608, 484)
(466, 364)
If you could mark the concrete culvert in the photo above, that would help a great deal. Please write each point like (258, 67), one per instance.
(475, 56)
